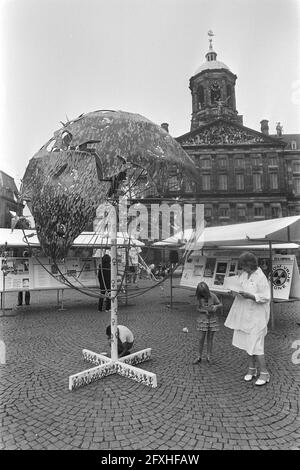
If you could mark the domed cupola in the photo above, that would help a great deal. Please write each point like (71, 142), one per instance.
(213, 90)
(211, 54)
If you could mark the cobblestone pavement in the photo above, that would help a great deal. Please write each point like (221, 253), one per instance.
(193, 407)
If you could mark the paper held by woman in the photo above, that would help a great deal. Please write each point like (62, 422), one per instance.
(233, 284)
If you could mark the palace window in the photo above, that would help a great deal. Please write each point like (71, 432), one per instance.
(224, 212)
(276, 211)
(222, 162)
(241, 212)
(296, 167)
(239, 162)
(256, 160)
(273, 180)
(206, 182)
(294, 145)
(257, 181)
(296, 182)
(273, 160)
(259, 211)
(205, 163)
(239, 181)
(229, 95)
(223, 182)
(207, 212)
(200, 96)
(188, 185)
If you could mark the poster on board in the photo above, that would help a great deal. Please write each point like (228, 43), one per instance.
(286, 279)
(15, 274)
(41, 273)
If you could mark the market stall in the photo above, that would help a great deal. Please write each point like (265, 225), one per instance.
(22, 272)
(213, 256)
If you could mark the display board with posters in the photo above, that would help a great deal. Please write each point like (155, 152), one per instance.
(40, 273)
(15, 274)
(211, 269)
(220, 271)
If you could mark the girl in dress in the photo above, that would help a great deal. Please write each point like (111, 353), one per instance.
(249, 316)
(207, 321)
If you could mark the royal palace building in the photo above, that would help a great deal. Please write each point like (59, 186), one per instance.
(8, 199)
(245, 175)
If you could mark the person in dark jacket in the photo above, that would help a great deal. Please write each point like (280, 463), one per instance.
(105, 282)
(27, 292)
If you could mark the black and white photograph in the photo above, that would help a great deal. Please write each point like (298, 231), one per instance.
(149, 228)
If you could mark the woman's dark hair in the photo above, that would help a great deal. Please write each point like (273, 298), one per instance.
(202, 291)
(248, 259)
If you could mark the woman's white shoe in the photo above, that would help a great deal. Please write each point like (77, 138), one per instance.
(249, 376)
(263, 378)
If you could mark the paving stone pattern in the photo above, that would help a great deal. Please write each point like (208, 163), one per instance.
(194, 406)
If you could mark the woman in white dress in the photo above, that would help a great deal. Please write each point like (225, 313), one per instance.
(249, 316)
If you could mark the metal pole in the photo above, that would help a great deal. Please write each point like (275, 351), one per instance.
(126, 276)
(171, 286)
(114, 287)
(62, 300)
(3, 301)
(271, 287)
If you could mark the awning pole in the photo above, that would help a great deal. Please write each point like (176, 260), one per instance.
(3, 299)
(126, 275)
(271, 287)
(171, 287)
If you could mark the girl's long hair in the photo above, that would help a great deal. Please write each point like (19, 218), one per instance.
(202, 291)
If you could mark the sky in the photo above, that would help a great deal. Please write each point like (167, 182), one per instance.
(62, 58)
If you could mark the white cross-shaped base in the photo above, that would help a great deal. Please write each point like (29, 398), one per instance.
(106, 366)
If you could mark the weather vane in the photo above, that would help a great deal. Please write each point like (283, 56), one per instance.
(210, 34)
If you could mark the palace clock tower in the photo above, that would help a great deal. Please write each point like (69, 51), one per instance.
(213, 91)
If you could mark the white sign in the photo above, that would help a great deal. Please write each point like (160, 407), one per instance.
(286, 279)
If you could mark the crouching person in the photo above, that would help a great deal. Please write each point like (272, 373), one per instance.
(125, 339)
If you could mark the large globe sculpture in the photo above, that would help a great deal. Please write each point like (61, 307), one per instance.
(89, 160)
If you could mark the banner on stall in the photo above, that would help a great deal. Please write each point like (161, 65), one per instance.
(286, 278)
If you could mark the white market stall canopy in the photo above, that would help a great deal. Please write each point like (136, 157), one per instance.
(275, 246)
(282, 230)
(16, 238)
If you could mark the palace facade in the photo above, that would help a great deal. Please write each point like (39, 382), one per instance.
(245, 175)
(8, 199)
